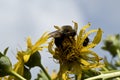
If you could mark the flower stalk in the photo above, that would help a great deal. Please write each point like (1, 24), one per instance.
(105, 76)
(17, 75)
(44, 70)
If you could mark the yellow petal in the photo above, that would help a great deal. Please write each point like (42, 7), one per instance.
(91, 45)
(41, 41)
(64, 76)
(19, 68)
(96, 40)
(98, 36)
(87, 34)
(54, 74)
(82, 31)
(20, 55)
(29, 43)
(79, 76)
(89, 52)
(84, 62)
(84, 37)
(26, 57)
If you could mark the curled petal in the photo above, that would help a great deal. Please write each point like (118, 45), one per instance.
(87, 34)
(84, 37)
(98, 36)
(82, 31)
(50, 46)
(96, 40)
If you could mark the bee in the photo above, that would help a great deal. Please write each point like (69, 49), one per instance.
(65, 33)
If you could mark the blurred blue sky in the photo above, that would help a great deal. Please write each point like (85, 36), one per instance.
(22, 18)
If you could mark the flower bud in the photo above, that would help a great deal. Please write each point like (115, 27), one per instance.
(5, 65)
(34, 60)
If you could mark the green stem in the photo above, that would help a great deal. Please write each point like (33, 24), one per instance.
(41, 66)
(105, 69)
(105, 76)
(75, 77)
(17, 75)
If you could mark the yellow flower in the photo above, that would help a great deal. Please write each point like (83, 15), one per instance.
(24, 56)
(37, 46)
(75, 54)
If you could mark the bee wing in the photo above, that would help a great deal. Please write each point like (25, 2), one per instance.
(55, 34)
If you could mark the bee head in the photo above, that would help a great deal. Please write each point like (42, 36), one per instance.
(68, 31)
